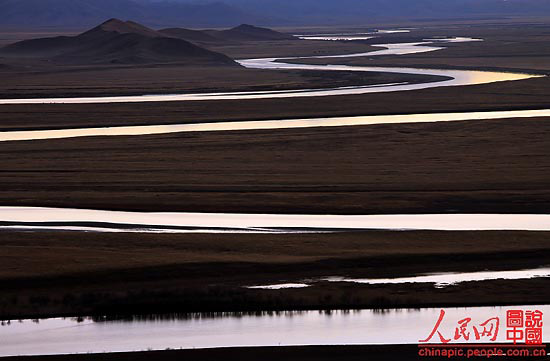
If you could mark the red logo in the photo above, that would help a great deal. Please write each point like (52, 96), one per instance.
(524, 327)
(479, 338)
(521, 327)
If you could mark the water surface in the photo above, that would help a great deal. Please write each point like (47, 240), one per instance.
(279, 286)
(441, 280)
(123, 221)
(406, 326)
(267, 124)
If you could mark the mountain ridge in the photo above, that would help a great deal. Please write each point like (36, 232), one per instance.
(240, 33)
(246, 32)
(116, 41)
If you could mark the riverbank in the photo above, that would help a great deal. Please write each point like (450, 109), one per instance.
(487, 166)
(167, 79)
(48, 274)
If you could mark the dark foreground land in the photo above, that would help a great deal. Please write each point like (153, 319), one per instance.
(308, 353)
(62, 273)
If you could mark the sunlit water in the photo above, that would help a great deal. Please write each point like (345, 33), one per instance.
(406, 326)
(171, 221)
(267, 124)
(456, 39)
(390, 49)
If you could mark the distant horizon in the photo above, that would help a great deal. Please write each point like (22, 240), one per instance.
(68, 14)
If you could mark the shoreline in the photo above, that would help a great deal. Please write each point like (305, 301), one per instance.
(87, 274)
(253, 311)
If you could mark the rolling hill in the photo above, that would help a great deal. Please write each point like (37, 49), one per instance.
(245, 32)
(197, 36)
(116, 41)
(241, 33)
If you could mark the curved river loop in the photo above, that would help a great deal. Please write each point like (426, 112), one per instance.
(452, 78)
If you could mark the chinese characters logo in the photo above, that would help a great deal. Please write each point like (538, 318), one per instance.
(521, 327)
(524, 327)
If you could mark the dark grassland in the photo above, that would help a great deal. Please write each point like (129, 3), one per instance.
(56, 273)
(27, 77)
(174, 78)
(525, 94)
(494, 166)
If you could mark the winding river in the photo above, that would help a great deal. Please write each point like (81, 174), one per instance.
(450, 78)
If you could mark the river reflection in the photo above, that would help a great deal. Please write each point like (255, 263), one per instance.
(158, 332)
(441, 280)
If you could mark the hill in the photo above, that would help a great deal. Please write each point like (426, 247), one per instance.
(247, 32)
(240, 33)
(116, 41)
(190, 35)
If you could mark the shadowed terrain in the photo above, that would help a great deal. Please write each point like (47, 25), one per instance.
(71, 273)
(115, 41)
